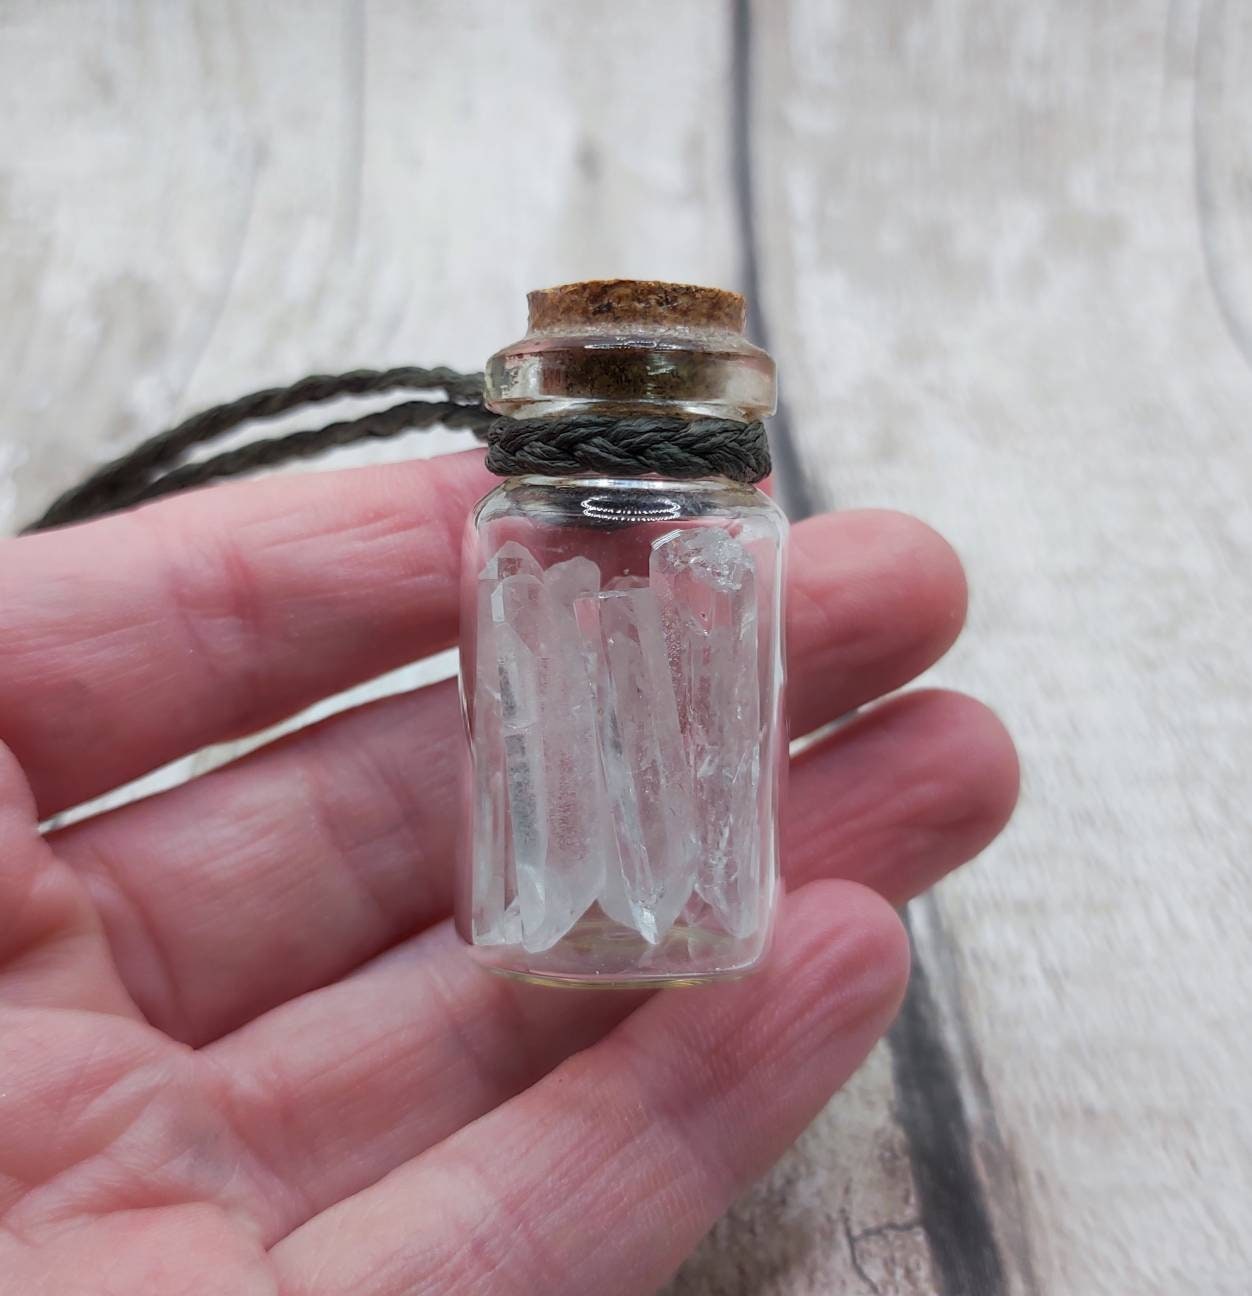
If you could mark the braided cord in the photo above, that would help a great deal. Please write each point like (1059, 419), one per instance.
(127, 479)
(671, 447)
(571, 443)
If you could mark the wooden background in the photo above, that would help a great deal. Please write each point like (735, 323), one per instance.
(1003, 254)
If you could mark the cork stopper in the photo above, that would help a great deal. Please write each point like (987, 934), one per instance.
(633, 345)
(613, 303)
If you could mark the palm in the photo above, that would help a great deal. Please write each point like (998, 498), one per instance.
(239, 1050)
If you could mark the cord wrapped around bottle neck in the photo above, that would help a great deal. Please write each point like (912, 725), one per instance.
(569, 443)
(629, 446)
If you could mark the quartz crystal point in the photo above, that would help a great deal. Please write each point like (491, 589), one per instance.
(645, 769)
(511, 559)
(555, 795)
(507, 815)
(617, 740)
(574, 578)
(496, 908)
(704, 581)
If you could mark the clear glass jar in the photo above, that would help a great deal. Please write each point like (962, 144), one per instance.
(622, 665)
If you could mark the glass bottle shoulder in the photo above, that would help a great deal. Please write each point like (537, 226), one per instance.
(605, 504)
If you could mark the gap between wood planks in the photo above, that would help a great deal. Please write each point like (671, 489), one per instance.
(950, 1174)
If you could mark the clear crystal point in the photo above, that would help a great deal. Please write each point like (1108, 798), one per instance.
(496, 913)
(644, 766)
(511, 559)
(550, 731)
(572, 579)
(705, 583)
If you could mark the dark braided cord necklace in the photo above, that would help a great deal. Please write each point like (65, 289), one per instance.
(571, 443)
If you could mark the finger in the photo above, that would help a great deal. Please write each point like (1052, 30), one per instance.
(334, 844)
(127, 642)
(873, 599)
(904, 794)
(332, 1091)
(325, 1083)
(280, 872)
(604, 1175)
(53, 952)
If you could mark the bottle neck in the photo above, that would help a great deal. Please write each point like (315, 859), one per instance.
(624, 348)
(686, 374)
(558, 407)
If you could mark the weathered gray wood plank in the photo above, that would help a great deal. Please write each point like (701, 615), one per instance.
(1004, 253)
(200, 198)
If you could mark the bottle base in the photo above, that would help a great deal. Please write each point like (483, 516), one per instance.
(573, 981)
(599, 954)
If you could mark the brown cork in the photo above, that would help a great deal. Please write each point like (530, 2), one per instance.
(602, 302)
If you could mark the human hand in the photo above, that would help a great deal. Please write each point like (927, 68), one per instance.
(240, 1051)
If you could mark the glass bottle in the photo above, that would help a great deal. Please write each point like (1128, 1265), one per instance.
(622, 664)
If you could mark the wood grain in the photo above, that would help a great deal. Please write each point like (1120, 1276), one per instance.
(1004, 257)
(1003, 268)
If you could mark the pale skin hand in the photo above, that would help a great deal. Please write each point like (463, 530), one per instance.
(240, 1052)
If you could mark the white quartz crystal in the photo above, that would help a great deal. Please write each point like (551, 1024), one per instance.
(617, 742)
(556, 799)
(506, 819)
(645, 768)
(511, 559)
(571, 579)
(705, 584)
(496, 909)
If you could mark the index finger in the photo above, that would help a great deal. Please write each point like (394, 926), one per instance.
(130, 641)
